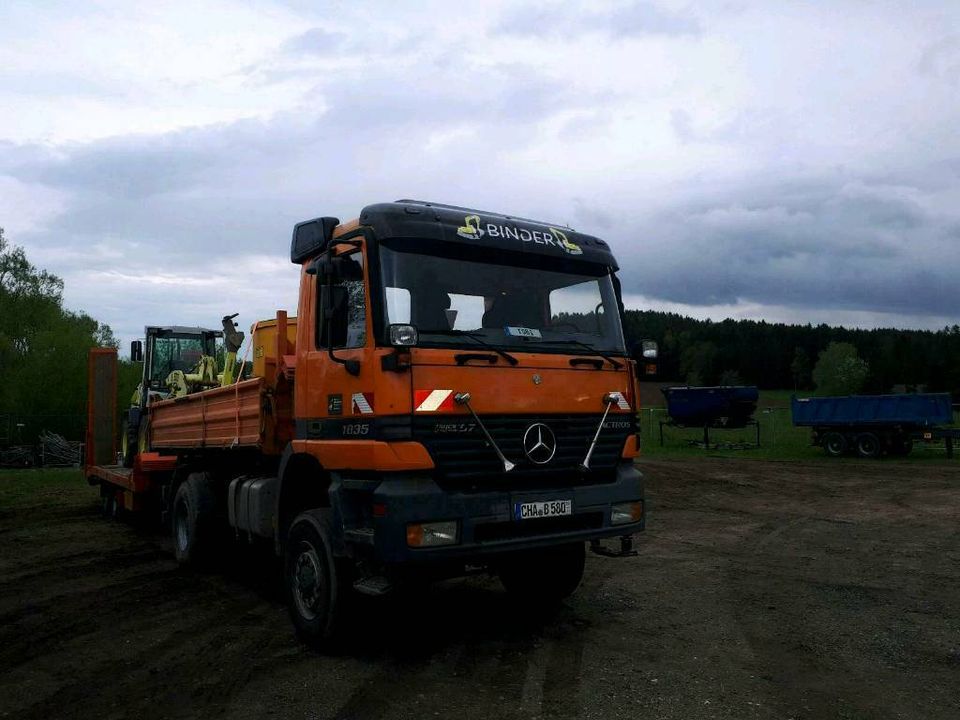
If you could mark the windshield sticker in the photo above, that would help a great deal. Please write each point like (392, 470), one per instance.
(551, 237)
(523, 332)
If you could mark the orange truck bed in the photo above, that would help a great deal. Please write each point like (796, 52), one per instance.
(224, 417)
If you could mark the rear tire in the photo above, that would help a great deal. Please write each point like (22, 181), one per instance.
(834, 444)
(316, 583)
(194, 520)
(868, 445)
(544, 576)
(109, 504)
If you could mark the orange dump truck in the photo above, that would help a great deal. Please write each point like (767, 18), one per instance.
(454, 394)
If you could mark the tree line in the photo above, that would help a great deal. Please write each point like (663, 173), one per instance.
(781, 356)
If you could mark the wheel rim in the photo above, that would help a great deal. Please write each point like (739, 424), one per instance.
(868, 446)
(835, 445)
(308, 581)
(181, 527)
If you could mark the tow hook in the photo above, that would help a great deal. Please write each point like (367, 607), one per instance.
(626, 548)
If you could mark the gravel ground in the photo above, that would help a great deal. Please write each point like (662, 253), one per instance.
(761, 590)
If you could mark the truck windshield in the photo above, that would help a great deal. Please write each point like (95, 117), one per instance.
(539, 309)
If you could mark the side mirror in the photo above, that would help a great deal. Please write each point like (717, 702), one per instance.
(646, 353)
(310, 238)
(136, 351)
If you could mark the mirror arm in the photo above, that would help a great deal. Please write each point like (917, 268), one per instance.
(351, 366)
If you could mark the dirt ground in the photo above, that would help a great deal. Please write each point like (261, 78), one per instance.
(761, 590)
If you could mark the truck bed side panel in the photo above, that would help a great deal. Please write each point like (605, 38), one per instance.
(219, 418)
(912, 409)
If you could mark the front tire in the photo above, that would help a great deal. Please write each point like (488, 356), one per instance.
(316, 583)
(544, 576)
(128, 443)
(193, 520)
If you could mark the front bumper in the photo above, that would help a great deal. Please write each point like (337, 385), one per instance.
(486, 523)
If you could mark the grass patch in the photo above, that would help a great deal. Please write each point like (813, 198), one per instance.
(48, 486)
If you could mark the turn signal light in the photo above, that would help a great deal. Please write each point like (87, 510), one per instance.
(624, 513)
(432, 534)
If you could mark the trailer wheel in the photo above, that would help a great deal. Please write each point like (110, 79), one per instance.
(834, 444)
(544, 576)
(315, 582)
(193, 518)
(868, 445)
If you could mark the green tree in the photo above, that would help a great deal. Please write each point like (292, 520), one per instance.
(800, 368)
(840, 370)
(697, 363)
(43, 348)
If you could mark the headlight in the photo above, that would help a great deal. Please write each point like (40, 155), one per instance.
(432, 534)
(403, 335)
(629, 512)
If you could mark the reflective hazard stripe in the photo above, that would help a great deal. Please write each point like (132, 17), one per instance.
(621, 400)
(432, 400)
(362, 404)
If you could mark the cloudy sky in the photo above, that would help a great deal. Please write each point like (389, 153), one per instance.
(795, 161)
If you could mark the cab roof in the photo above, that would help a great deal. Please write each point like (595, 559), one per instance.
(413, 219)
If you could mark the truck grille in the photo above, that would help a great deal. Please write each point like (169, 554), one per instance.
(461, 452)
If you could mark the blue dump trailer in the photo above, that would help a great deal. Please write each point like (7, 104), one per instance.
(728, 406)
(872, 425)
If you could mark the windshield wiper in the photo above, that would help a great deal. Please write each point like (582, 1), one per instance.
(616, 364)
(476, 338)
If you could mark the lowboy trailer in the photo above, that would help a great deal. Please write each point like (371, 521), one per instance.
(454, 394)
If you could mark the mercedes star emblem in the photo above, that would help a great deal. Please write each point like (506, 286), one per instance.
(539, 443)
(537, 379)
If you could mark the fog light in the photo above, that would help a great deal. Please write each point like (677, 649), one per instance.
(403, 335)
(432, 534)
(623, 513)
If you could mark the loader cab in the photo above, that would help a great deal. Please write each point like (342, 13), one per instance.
(169, 348)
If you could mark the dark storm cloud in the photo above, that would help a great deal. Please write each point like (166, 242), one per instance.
(630, 19)
(245, 183)
(833, 242)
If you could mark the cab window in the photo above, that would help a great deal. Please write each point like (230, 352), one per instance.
(348, 300)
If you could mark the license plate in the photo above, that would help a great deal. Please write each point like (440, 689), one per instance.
(542, 509)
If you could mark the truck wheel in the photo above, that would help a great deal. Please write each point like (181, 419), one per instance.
(315, 581)
(109, 506)
(834, 444)
(868, 445)
(193, 519)
(544, 576)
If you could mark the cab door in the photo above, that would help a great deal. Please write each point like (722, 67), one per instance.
(332, 402)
